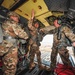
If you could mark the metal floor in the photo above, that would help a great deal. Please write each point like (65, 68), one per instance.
(34, 71)
(46, 61)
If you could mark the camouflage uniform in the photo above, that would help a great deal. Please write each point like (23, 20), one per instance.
(9, 47)
(34, 45)
(59, 46)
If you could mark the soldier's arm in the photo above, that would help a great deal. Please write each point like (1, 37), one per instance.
(47, 29)
(30, 22)
(30, 25)
(68, 32)
(71, 36)
(19, 31)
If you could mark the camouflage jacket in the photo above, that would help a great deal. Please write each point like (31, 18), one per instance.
(13, 29)
(33, 33)
(65, 31)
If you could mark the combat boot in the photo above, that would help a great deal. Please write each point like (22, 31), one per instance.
(51, 71)
(32, 65)
(47, 69)
(41, 67)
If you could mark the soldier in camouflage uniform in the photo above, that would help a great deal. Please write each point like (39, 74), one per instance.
(9, 47)
(59, 44)
(34, 43)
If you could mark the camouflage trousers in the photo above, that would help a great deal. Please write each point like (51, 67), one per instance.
(63, 54)
(35, 50)
(9, 59)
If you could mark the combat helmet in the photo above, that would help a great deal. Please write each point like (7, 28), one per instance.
(11, 13)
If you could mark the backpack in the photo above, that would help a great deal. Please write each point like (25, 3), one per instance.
(62, 69)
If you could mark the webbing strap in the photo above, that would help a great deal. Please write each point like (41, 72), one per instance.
(1, 34)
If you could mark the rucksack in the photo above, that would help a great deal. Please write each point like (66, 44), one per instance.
(62, 69)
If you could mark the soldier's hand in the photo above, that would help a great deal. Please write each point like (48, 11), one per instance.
(32, 14)
(41, 30)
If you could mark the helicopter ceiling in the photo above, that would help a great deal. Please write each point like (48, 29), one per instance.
(43, 8)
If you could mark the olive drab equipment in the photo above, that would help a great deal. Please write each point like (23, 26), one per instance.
(68, 41)
(1, 34)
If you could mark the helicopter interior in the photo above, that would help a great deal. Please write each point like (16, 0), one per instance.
(45, 12)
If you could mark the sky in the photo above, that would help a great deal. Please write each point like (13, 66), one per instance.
(47, 40)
